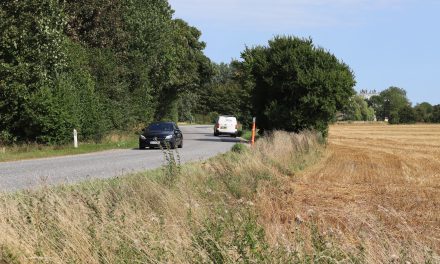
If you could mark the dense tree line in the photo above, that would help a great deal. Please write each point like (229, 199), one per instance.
(101, 65)
(224, 94)
(394, 105)
(93, 65)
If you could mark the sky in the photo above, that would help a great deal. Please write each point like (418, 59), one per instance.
(385, 42)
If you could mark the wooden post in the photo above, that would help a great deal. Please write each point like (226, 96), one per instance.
(75, 138)
(253, 131)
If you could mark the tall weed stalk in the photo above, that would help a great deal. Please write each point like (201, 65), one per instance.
(172, 167)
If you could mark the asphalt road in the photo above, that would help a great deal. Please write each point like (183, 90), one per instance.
(199, 143)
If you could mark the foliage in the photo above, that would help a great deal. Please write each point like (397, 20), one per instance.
(389, 103)
(187, 104)
(77, 95)
(225, 98)
(423, 112)
(239, 148)
(435, 116)
(95, 66)
(224, 94)
(295, 85)
(31, 57)
(407, 115)
(358, 110)
(182, 68)
(96, 23)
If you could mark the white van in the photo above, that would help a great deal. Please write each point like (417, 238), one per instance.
(226, 125)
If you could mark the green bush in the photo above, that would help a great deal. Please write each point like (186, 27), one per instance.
(295, 85)
(239, 148)
(209, 118)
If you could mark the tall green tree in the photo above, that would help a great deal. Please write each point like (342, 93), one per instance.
(435, 115)
(423, 112)
(182, 68)
(224, 94)
(389, 103)
(358, 110)
(126, 40)
(31, 57)
(296, 86)
(407, 115)
(98, 23)
(76, 93)
(151, 29)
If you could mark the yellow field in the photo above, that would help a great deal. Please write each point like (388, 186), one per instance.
(377, 185)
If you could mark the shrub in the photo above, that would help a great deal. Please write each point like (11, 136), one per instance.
(295, 85)
(239, 148)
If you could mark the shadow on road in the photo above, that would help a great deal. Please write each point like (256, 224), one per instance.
(146, 149)
(201, 134)
(236, 140)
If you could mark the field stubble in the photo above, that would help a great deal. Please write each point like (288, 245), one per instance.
(377, 187)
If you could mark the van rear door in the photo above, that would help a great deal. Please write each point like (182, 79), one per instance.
(227, 123)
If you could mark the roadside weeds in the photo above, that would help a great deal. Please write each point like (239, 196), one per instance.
(227, 209)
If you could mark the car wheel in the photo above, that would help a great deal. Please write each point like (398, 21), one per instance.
(181, 144)
(141, 147)
(215, 133)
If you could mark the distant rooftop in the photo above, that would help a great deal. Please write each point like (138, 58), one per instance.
(367, 94)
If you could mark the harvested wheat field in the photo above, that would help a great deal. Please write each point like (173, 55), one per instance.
(377, 187)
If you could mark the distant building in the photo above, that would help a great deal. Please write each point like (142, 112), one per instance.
(367, 94)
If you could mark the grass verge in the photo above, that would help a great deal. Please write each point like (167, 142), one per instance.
(32, 151)
(247, 134)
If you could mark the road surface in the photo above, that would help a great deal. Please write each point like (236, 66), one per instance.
(199, 143)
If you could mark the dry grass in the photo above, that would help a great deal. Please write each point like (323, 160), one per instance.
(205, 213)
(267, 204)
(377, 188)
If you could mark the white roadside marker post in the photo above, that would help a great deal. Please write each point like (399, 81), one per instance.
(75, 138)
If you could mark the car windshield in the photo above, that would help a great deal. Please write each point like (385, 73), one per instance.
(160, 127)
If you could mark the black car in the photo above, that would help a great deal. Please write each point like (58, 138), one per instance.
(165, 134)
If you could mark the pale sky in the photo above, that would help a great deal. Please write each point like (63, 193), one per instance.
(385, 42)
